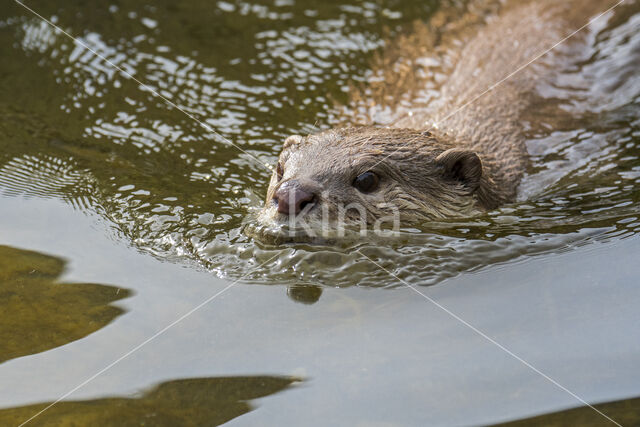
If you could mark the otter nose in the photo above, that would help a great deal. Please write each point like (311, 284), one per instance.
(291, 198)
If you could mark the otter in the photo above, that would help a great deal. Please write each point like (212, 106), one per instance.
(459, 155)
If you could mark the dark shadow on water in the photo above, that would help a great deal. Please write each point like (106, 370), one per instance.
(39, 313)
(305, 294)
(184, 402)
(625, 412)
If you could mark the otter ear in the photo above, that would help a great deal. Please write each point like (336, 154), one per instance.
(292, 140)
(463, 166)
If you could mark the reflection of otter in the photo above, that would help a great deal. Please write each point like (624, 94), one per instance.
(305, 294)
(460, 155)
(39, 313)
(194, 401)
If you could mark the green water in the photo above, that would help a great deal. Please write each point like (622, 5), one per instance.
(121, 213)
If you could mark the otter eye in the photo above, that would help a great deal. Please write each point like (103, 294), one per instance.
(279, 171)
(366, 182)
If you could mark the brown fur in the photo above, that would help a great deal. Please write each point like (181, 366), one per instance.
(416, 177)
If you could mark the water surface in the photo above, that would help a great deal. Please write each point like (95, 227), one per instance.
(145, 205)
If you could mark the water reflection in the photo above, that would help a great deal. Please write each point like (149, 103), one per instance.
(74, 128)
(305, 294)
(625, 412)
(40, 313)
(193, 401)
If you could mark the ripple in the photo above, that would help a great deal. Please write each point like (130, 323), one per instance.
(76, 129)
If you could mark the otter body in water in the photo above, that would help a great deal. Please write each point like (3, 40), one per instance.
(462, 154)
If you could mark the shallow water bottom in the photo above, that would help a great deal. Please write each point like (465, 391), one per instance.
(358, 356)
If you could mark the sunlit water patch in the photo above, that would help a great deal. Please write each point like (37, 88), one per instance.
(250, 74)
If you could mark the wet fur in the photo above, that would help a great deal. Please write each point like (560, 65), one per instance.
(405, 152)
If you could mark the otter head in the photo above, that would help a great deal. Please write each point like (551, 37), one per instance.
(369, 178)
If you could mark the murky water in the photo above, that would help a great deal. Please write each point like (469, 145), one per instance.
(255, 73)
(178, 185)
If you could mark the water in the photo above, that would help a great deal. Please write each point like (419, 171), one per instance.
(96, 170)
